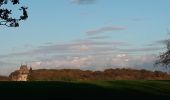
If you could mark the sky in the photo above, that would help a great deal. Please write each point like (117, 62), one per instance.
(87, 35)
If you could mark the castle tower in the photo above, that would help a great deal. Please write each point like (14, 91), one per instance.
(21, 74)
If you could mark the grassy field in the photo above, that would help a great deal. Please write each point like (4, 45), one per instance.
(85, 90)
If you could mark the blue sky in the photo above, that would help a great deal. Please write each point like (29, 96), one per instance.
(87, 34)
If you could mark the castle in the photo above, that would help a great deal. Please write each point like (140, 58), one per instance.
(21, 74)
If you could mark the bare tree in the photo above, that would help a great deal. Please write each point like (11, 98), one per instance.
(6, 14)
(164, 58)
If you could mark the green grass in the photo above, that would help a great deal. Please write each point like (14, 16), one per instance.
(85, 90)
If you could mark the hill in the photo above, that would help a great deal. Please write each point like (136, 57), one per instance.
(109, 74)
(4, 78)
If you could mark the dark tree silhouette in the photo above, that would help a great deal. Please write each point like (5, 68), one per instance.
(6, 14)
(164, 58)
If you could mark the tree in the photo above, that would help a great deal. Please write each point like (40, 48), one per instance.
(6, 14)
(164, 58)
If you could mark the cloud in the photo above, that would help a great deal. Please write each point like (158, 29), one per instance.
(121, 55)
(73, 62)
(94, 54)
(75, 47)
(99, 37)
(100, 43)
(83, 1)
(98, 62)
(80, 47)
(105, 29)
(76, 62)
(164, 42)
(159, 42)
(92, 58)
(139, 19)
(6, 68)
(2, 63)
(144, 49)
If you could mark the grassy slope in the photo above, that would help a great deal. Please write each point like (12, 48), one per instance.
(87, 90)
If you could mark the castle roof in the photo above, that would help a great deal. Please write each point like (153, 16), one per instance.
(24, 67)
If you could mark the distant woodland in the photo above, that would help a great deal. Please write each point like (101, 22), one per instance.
(109, 74)
(80, 75)
(4, 78)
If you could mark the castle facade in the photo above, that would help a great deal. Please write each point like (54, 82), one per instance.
(21, 74)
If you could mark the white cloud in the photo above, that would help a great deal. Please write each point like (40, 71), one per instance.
(98, 62)
(121, 55)
(80, 47)
(75, 47)
(127, 60)
(69, 62)
(85, 54)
